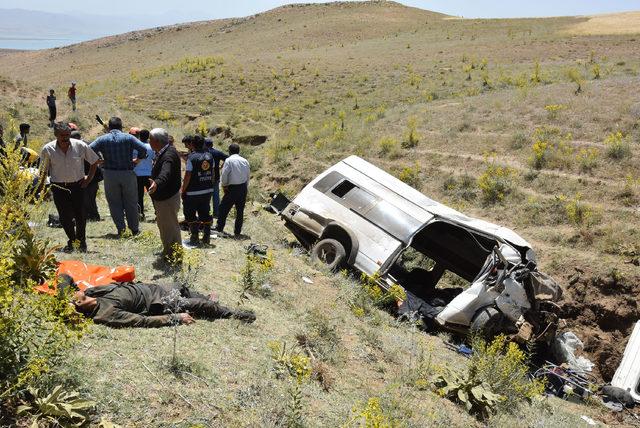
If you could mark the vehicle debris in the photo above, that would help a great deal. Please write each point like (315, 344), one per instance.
(627, 376)
(565, 347)
(358, 216)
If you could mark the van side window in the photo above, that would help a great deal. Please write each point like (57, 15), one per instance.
(343, 188)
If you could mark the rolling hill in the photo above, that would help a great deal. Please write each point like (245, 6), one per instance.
(528, 123)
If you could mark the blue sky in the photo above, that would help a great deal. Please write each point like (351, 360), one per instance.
(208, 9)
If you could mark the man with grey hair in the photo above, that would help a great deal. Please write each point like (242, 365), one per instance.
(164, 189)
(63, 159)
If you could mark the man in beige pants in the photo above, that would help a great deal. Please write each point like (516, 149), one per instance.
(164, 190)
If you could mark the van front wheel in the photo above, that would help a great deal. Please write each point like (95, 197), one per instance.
(329, 252)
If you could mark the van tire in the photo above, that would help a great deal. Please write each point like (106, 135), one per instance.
(487, 322)
(330, 253)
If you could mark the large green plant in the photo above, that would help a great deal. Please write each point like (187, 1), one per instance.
(35, 328)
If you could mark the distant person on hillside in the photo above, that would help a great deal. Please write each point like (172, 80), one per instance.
(63, 158)
(51, 103)
(23, 138)
(71, 93)
(120, 183)
(149, 305)
(218, 161)
(143, 170)
(164, 190)
(235, 183)
(91, 191)
(196, 191)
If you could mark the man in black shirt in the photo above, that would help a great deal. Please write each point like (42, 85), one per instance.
(196, 191)
(218, 160)
(51, 103)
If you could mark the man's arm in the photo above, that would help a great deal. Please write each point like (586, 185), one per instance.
(163, 175)
(44, 169)
(139, 147)
(185, 182)
(224, 176)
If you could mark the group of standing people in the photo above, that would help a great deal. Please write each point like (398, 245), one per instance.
(135, 161)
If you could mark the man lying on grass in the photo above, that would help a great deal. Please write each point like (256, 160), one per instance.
(148, 305)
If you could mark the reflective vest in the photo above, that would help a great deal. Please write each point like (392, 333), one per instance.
(201, 181)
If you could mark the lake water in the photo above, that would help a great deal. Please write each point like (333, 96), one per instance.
(31, 44)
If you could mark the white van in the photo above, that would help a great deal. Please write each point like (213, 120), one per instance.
(357, 215)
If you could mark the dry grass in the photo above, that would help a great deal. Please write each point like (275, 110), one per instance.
(297, 74)
(607, 24)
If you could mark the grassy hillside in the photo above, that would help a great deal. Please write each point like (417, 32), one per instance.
(483, 115)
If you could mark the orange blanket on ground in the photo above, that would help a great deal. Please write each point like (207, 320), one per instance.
(87, 276)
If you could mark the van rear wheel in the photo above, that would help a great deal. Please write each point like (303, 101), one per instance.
(329, 252)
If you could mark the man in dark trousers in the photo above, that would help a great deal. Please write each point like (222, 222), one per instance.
(150, 305)
(71, 93)
(91, 191)
(218, 159)
(196, 191)
(120, 183)
(235, 181)
(51, 103)
(164, 190)
(64, 159)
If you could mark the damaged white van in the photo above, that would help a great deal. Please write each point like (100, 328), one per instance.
(357, 215)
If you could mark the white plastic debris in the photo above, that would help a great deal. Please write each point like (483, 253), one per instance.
(565, 347)
(307, 280)
(588, 420)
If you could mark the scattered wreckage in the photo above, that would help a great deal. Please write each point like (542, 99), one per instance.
(357, 215)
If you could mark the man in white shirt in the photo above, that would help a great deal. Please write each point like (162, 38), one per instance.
(234, 179)
(64, 159)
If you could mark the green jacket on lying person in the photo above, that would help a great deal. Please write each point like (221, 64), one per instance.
(150, 305)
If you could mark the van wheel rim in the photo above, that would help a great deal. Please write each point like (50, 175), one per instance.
(327, 254)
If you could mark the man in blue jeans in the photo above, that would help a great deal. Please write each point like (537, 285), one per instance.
(218, 160)
(120, 183)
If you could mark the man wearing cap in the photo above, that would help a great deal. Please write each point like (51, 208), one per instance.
(63, 159)
(120, 184)
(71, 93)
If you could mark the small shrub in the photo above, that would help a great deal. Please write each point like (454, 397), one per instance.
(519, 140)
(618, 146)
(553, 110)
(411, 138)
(628, 194)
(381, 297)
(411, 176)
(163, 115)
(578, 213)
(463, 187)
(59, 408)
(595, 70)
(574, 76)
(371, 415)
(588, 159)
(202, 129)
(254, 275)
(496, 182)
(390, 147)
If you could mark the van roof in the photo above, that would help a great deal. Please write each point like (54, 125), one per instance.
(411, 201)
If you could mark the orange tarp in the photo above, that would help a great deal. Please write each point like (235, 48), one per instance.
(87, 276)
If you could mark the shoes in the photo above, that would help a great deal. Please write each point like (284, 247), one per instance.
(244, 316)
(83, 247)
(67, 248)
